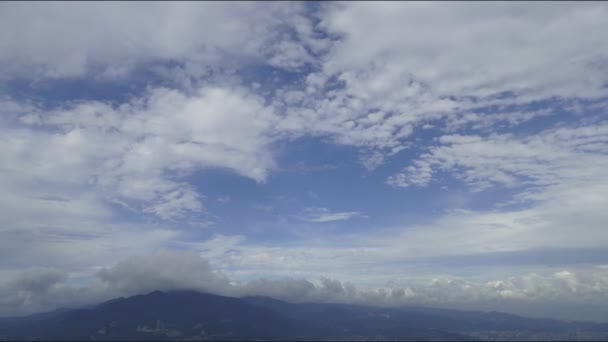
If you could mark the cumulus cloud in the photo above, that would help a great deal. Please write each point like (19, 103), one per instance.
(30, 290)
(111, 39)
(137, 152)
(43, 289)
(66, 170)
(164, 270)
(39, 289)
(69, 171)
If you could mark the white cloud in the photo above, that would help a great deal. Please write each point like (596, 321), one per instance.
(223, 199)
(567, 216)
(566, 154)
(109, 39)
(400, 66)
(471, 49)
(68, 173)
(164, 270)
(325, 215)
(138, 151)
(388, 70)
(38, 289)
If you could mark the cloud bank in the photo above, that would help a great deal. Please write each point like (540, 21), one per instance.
(39, 289)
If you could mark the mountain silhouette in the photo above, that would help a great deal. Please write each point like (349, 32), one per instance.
(191, 315)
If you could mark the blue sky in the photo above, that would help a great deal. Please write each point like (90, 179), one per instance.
(383, 153)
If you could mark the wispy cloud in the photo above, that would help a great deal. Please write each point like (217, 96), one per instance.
(224, 199)
(325, 215)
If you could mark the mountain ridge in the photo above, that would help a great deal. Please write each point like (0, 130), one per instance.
(192, 315)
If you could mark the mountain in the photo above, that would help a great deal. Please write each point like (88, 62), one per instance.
(157, 315)
(189, 315)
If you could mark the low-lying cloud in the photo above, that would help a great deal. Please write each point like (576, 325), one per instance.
(40, 289)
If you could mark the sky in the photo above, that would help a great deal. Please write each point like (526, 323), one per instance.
(380, 153)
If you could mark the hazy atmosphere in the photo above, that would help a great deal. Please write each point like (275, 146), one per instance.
(438, 154)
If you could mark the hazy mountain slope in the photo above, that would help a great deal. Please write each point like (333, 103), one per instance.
(189, 315)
